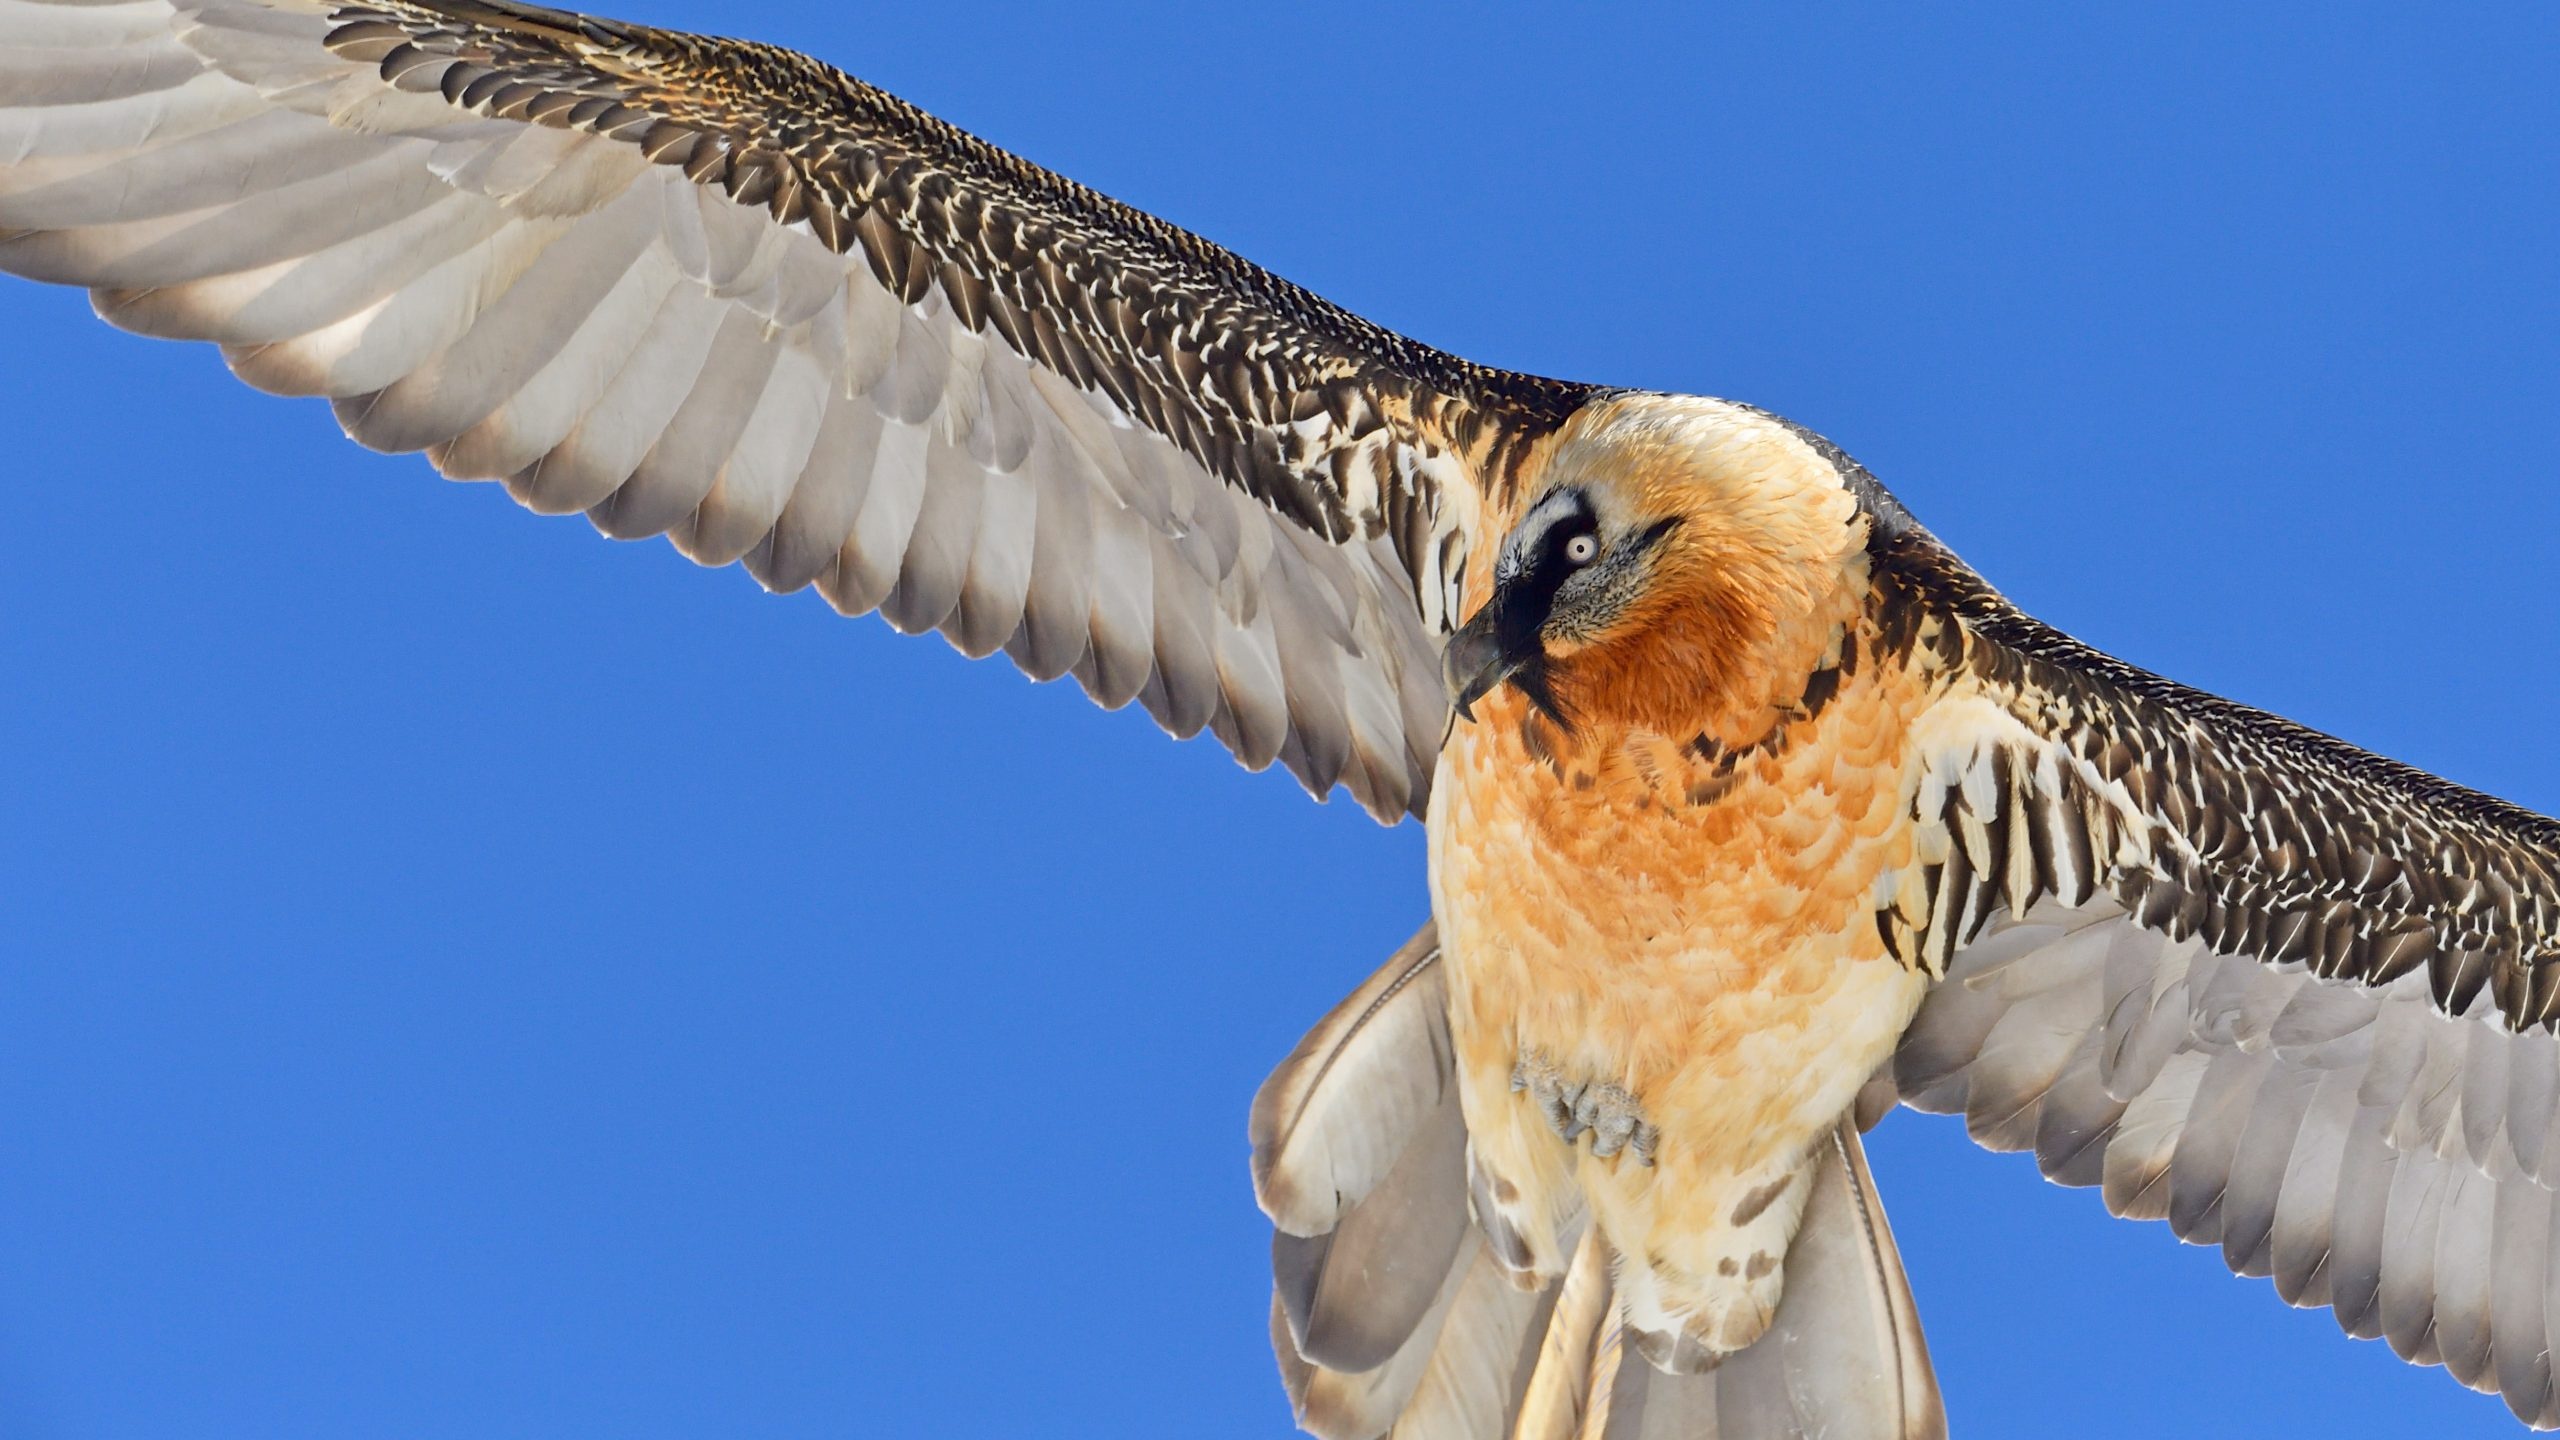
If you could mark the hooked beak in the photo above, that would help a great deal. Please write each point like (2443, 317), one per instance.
(1477, 660)
(1502, 645)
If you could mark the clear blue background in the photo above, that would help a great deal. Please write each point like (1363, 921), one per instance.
(467, 979)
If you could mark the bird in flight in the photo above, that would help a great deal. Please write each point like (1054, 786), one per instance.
(1752, 810)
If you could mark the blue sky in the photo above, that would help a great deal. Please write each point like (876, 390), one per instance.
(468, 979)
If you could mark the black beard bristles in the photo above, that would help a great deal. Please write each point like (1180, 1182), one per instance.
(1533, 681)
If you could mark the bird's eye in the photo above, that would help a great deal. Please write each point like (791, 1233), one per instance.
(1582, 549)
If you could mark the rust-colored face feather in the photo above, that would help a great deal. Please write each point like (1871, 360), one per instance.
(1687, 564)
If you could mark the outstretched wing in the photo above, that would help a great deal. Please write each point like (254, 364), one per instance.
(2293, 998)
(721, 292)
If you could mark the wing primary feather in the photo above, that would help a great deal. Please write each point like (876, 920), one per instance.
(221, 166)
(1116, 669)
(1057, 616)
(750, 491)
(600, 452)
(547, 407)
(2255, 1171)
(679, 469)
(867, 564)
(510, 340)
(995, 588)
(1182, 691)
(936, 565)
(2465, 1269)
(2307, 1200)
(817, 520)
(250, 310)
(370, 349)
(255, 233)
(2520, 1348)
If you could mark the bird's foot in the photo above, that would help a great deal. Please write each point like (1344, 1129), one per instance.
(1606, 1110)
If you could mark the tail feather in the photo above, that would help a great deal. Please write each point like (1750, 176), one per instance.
(1391, 1317)
(1471, 1386)
(1844, 1356)
(1356, 1293)
(1575, 1356)
(1335, 1117)
(1363, 1404)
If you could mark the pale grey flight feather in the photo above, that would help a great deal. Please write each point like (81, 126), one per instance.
(545, 307)
(2358, 1146)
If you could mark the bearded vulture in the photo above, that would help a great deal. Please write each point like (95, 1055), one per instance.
(1752, 811)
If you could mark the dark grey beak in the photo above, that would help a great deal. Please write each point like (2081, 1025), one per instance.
(1477, 660)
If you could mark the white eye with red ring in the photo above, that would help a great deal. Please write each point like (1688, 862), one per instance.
(1582, 549)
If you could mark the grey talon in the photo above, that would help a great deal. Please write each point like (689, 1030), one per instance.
(1572, 1118)
(1554, 1101)
(1613, 1117)
(1607, 1111)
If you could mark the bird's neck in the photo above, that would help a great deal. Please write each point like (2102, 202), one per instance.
(1734, 661)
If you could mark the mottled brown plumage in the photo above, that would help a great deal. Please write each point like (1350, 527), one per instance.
(1759, 810)
(1276, 390)
(2264, 837)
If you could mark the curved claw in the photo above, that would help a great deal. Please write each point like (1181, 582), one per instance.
(1608, 1112)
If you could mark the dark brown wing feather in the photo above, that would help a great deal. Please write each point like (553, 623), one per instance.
(1275, 389)
(2262, 836)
